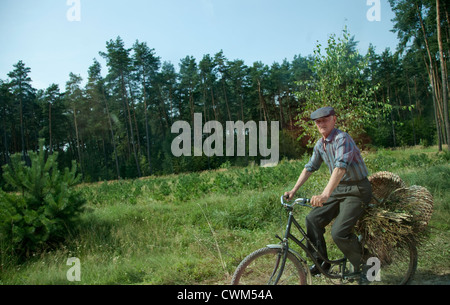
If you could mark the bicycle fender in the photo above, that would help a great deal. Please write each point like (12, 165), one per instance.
(299, 257)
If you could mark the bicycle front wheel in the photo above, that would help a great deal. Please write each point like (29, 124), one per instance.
(262, 267)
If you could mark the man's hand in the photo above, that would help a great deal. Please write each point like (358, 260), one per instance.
(302, 179)
(319, 200)
(289, 195)
(336, 176)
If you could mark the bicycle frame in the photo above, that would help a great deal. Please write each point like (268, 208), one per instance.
(403, 267)
(289, 236)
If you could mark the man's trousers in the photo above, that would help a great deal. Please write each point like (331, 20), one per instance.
(346, 205)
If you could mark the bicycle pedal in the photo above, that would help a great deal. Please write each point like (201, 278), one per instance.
(352, 276)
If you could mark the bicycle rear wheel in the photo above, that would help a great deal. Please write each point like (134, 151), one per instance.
(262, 267)
(400, 266)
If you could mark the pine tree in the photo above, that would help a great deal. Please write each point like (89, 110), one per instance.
(23, 91)
(146, 65)
(119, 63)
(46, 205)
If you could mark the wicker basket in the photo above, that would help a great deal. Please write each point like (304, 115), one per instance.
(416, 199)
(383, 184)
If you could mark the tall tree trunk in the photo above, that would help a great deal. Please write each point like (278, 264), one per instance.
(443, 74)
(5, 138)
(205, 109)
(22, 135)
(418, 106)
(133, 144)
(191, 104)
(392, 116)
(436, 112)
(261, 101)
(439, 102)
(50, 127)
(78, 140)
(112, 134)
(280, 100)
(147, 133)
(133, 111)
(216, 117)
(411, 110)
(226, 98)
(431, 72)
(241, 101)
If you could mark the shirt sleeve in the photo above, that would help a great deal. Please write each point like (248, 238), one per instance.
(315, 161)
(345, 151)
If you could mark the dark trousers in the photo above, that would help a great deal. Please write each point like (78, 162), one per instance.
(346, 204)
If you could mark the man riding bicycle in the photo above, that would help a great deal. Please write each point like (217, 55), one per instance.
(345, 196)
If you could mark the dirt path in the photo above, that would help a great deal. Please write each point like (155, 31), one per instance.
(428, 278)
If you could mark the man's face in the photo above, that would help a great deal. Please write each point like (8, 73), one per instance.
(325, 125)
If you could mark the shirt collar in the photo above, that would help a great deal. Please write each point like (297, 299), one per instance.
(330, 136)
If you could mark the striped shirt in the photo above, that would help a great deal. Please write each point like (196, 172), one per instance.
(339, 150)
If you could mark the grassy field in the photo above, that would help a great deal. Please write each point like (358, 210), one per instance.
(196, 228)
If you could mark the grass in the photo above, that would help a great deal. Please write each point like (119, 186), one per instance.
(196, 228)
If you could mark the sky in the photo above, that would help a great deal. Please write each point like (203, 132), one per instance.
(57, 37)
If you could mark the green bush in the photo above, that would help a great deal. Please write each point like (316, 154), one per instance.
(43, 205)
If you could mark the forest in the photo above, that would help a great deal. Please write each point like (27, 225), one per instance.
(118, 126)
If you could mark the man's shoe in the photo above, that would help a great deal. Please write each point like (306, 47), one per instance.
(315, 270)
(363, 280)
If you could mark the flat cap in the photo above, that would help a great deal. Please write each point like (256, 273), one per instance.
(322, 112)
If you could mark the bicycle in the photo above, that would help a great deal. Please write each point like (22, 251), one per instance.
(279, 264)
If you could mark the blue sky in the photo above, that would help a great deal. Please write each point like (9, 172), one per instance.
(39, 32)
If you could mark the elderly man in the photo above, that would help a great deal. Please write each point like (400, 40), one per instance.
(346, 194)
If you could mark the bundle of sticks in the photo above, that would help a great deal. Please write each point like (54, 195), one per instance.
(397, 216)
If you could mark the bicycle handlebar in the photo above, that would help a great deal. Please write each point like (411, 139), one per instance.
(299, 201)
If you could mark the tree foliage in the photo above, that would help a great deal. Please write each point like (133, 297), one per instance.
(339, 80)
(422, 27)
(43, 205)
(118, 125)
